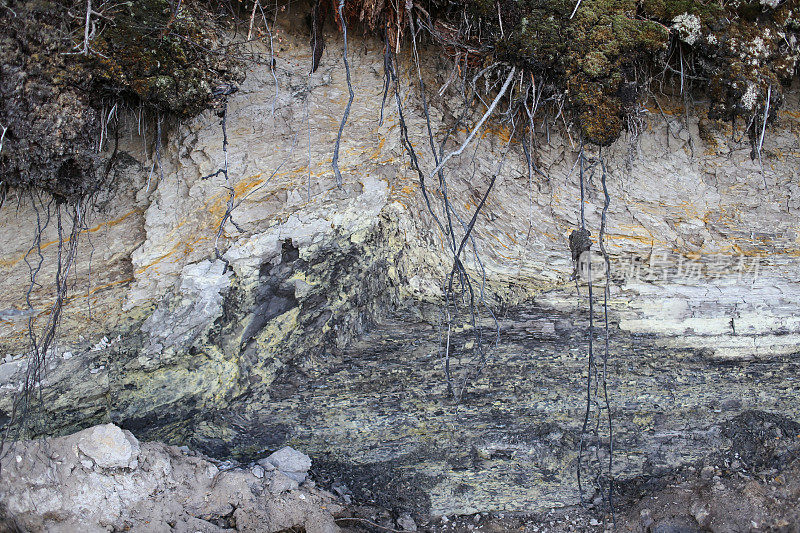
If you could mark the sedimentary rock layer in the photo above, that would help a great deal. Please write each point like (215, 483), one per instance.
(316, 319)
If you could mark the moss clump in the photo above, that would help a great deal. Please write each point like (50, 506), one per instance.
(170, 61)
(744, 50)
(51, 126)
(51, 94)
(593, 54)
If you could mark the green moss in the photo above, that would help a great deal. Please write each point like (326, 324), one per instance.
(666, 10)
(594, 54)
(589, 53)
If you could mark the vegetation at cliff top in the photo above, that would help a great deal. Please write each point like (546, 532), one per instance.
(66, 63)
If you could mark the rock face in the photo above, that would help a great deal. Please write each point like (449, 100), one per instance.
(326, 330)
(92, 481)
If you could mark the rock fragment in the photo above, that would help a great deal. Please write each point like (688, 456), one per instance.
(406, 522)
(292, 463)
(109, 446)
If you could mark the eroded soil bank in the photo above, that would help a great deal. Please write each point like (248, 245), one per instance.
(315, 318)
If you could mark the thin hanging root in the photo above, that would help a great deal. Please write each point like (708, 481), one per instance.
(474, 218)
(458, 274)
(463, 276)
(386, 77)
(596, 378)
(478, 126)
(424, 100)
(2, 136)
(317, 37)
(606, 294)
(392, 74)
(271, 52)
(577, 5)
(224, 92)
(274, 173)
(335, 161)
(412, 154)
(764, 122)
(158, 155)
(763, 130)
(590, 363)
(458, 266)
(21, 416)
(308, 131)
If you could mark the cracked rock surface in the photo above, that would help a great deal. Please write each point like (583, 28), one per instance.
(324, 334)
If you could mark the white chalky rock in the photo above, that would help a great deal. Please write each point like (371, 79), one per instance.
(109, 446)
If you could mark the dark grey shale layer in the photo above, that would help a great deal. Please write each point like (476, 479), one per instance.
(324, 332)
(512, 443)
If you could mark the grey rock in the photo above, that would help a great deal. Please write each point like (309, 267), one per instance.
(646, 517)
(280, 482)
(701, 514)
(406, 522)
(266, 465)
(292, 463)
(258, 471)
(171, 491)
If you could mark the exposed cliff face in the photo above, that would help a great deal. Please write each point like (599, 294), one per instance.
(324, 331)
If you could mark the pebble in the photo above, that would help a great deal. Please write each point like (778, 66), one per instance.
(258, 471)
(646, 516)
(109, 446)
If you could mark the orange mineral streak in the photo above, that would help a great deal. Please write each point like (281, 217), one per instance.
(11, 263)
(216, 207)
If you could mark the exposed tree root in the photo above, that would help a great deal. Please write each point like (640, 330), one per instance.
(335, 161)
(597, 399)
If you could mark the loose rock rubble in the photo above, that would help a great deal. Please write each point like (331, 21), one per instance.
(103, 479)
